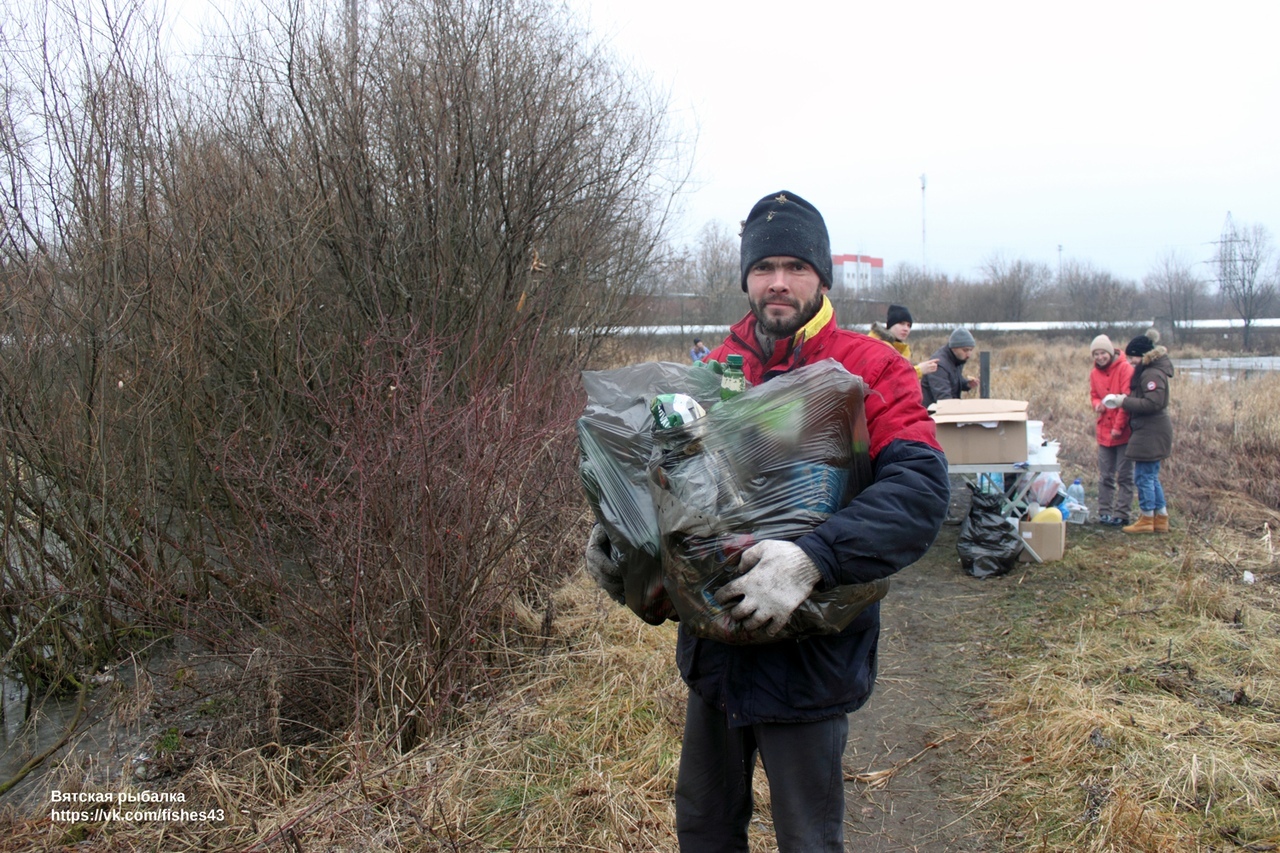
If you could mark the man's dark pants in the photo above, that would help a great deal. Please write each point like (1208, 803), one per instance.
(803, 763)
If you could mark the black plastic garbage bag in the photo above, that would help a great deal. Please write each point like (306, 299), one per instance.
(989, 545)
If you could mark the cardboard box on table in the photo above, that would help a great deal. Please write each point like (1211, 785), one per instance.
(1047, 538)
(977, 432)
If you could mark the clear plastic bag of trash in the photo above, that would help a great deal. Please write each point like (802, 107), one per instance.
(1046, 487)
(615, 439)
(771, 463)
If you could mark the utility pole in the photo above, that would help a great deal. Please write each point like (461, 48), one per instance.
(353, 41)
(1059, 264)
(924, 254)
(1227, 264)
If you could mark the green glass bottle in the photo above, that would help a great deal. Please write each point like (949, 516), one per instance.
(732, 382)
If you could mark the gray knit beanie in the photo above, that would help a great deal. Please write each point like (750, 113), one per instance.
(961, 338)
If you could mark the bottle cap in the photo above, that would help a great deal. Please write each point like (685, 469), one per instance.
(734, 360)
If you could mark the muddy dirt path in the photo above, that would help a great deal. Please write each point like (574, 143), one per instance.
(932, 624)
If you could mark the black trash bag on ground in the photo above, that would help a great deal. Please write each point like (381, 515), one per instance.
(989, 545)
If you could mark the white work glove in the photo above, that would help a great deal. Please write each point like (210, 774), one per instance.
(778, 577)
(603, 570)
(1113, 401)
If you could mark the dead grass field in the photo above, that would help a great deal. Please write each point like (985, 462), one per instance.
(1128, 693)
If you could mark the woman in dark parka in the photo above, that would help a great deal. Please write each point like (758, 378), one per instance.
(1152, 441)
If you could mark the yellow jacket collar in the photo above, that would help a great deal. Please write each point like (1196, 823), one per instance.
(815, 325)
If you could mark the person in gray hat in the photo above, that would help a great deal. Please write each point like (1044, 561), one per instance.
(948, 382)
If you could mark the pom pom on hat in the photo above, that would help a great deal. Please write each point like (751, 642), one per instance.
(783, 224)
(897, 314)
(1102, 342)
(1143, 344)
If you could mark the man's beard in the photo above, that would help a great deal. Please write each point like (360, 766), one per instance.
(785, 328)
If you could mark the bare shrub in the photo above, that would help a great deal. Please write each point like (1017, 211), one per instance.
(211, 284)
(387, 545)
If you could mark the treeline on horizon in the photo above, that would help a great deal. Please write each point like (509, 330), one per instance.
(1244, 284)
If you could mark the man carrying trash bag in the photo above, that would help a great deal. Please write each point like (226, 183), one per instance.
(788, 700)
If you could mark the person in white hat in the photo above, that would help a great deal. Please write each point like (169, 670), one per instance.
(1111, 374)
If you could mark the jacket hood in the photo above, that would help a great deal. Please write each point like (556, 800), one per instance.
(879, 332)
(1159, 359)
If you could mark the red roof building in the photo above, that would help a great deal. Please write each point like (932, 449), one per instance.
(856, 273)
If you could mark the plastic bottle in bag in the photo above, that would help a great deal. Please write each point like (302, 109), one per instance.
(706, 476)
(673, 410)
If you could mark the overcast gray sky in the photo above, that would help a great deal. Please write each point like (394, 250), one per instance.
(1118, 130)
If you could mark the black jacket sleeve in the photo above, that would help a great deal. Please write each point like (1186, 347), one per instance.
(890, 524)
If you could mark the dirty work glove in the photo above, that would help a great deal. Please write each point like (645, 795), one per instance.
(1113, 401)
(603, 570)
(712, 365)
(778, 576)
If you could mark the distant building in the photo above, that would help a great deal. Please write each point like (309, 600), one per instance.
(856, 273)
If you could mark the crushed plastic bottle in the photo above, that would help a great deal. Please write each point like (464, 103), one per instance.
(704, 468)
(673, 410)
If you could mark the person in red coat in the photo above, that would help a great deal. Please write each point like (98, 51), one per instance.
(787, 701)
(1111, 374)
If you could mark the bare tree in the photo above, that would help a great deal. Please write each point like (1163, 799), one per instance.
(716, 267)
(1244, 276)
(1177, 289)
(716, 271)
(1096, 295)
(910, 285)
(1014, 286)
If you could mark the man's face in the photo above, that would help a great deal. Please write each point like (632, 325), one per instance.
(900, 331)
(962, 353)
(1101, 357)
(785, 293)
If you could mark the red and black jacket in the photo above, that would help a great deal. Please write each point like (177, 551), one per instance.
(888, 526)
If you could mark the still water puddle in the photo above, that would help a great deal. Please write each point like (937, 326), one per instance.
(104, 740)
(1235, 367)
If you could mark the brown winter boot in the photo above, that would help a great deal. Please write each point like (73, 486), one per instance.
(1161, 524)
(1144, 524)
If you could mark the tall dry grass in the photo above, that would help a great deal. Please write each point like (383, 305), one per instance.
(1139, 709)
